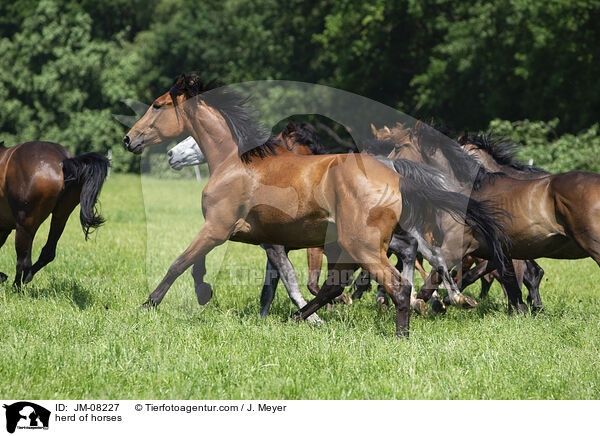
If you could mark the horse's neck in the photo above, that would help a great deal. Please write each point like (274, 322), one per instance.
(443, 164)
(214, 140)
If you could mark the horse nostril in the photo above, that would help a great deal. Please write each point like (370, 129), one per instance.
(170, 153)
(126, 140)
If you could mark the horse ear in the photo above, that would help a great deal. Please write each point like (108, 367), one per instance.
(462, 138)
(374, 130)
(387, 130)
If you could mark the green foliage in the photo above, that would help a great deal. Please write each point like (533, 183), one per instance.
(556, 154)
(515, 59)
(67, 64)
(58, 84)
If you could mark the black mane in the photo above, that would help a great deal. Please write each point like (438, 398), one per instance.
(502, 151)
(465, 167)
(377, 147)
(305, 134)
(251, 137)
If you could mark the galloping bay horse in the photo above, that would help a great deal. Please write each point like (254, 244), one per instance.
(553, 215)
(42, 178)
(301, 138)
(498, 156)
(298, 138)
(424, 144)
(350, 204)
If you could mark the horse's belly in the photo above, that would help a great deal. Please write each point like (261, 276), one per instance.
(555, 246)
(264, 226)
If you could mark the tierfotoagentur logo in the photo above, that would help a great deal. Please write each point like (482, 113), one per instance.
(26, 415)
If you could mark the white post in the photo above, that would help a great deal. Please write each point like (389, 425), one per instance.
(110, 160)
(197, 171)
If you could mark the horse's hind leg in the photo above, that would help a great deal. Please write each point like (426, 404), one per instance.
(268, 291)
(339, 275)
(314, 259)
(282, 268)
(397, 287)
(486, 284)
(23, 243)
(361, 284)
(3, 236)
(60, 216)
(512, 288)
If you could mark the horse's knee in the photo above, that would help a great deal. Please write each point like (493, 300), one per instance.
(401, 296)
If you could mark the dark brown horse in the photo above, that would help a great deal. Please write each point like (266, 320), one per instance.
(349, 204)
(555, 216)
(423, 144)
(42, 178)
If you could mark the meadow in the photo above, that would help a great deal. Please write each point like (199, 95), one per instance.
(77, 330)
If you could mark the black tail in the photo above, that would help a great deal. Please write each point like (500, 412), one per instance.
(428, 191)
(87, 171)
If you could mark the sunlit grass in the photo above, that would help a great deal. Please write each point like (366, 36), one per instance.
(77, 332)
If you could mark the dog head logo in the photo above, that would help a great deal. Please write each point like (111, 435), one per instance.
(26, 415)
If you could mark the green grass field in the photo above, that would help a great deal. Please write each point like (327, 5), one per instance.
(76, 330)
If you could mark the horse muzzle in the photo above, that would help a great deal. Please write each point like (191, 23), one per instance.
(136, 147)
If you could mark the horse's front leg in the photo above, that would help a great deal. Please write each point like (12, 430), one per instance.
(203, 290)
(209, 237)
(532, 278)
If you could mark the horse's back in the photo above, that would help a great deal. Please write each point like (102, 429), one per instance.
(577, 183)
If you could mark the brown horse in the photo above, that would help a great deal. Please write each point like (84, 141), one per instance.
(424, 144)
(42, 178)
(553, 216)
(349, 204)
(498, 156)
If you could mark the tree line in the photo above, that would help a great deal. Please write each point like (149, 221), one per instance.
(526, 68)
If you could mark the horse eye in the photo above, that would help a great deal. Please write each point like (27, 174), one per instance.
(156, 106)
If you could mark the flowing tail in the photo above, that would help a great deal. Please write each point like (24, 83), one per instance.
(425, 189)
(88, 172)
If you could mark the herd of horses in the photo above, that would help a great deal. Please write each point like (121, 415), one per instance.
(408, 193)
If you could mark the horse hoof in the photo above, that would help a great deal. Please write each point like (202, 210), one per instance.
(314, 319)
(419, 306)
(446, 300)
(437, 307)
(296, 316)
(343, 299)
(520, 309)
(3, 277)
(536, 309)
(28, 279)
(313, 291)
(148, 304)
(203, 293)
(382, 301)
(467, 302)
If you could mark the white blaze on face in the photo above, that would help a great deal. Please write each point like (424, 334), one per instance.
(186, 153)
